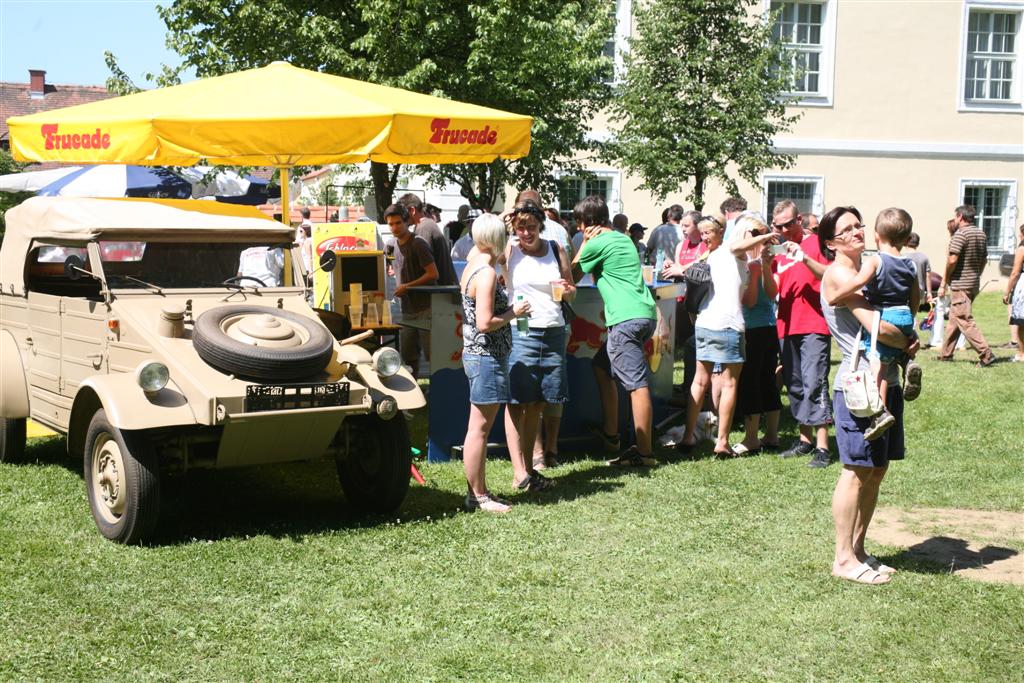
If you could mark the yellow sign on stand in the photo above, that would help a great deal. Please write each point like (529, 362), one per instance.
(345, 239)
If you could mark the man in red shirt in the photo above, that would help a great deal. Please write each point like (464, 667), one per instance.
(803, 333)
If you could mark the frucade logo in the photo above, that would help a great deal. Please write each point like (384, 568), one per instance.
(54, 139)
(443, 134)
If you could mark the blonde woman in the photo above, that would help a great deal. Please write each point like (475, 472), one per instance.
(720, 329)
(487, 342)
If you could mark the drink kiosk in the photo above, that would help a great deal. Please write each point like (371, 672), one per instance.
(355, 287)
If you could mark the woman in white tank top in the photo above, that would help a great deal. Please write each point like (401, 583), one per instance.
(538, 272)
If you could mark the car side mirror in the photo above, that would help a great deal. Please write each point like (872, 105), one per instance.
(328, 260)
(74, 267)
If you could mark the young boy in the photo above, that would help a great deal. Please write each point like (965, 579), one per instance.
(890, 284)
(630, 315)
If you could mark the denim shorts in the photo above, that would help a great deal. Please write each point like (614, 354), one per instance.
(624, 351)
(720, 346)
(537, 366)
(488, 379)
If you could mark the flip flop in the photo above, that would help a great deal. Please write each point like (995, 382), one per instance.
(863, 573)
(741, 450)
(727, 455)
(879, 566)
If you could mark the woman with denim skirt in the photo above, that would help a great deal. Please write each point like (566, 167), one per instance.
(719, 329)
(538, 273)
(487, 341)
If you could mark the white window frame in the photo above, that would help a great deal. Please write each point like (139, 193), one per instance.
(1006, 240)
(614, 187)
(620, 36)
(1017, 89)
(817, 203)
(826, 60)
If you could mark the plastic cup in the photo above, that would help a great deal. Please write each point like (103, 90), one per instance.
(557, 290)
(371, 315)
(355, 315)
(649, 274)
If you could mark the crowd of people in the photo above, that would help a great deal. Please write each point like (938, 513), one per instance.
(778, 293)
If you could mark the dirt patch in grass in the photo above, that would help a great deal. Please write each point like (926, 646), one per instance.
(976, 544)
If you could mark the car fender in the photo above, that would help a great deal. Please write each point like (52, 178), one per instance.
(400, 386)
(129, 407)
(13, 382)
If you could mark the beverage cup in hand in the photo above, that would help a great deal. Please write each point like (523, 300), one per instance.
(557, 290)
(649, 274)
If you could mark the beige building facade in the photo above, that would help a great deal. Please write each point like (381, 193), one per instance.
(910, 103)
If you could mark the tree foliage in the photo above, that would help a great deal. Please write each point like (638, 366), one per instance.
(10, 199)
(542, 58)
(700, 98)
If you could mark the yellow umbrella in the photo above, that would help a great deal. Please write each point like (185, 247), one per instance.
(278, 115)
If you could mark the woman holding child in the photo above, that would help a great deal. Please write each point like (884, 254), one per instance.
(841, 238)
(487, 342)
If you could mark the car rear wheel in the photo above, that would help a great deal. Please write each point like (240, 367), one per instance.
(123, 481)
(374, 462)
(12, 439)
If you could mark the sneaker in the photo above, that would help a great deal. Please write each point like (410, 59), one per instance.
(610, 442)
(631, 457)
(486, 502)
(879, 425)
(987, 361)
(911, 381)
(821, 458)
(797, 450)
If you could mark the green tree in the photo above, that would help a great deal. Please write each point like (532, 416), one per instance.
(9, 199)
(542, 58)
(701, 97)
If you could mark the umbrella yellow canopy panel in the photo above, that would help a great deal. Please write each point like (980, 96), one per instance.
(278, 115)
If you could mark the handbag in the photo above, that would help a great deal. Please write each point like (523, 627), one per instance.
(859, 387)
(699, 287)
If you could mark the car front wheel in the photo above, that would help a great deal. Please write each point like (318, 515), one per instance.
(374, 462)
(122, 480)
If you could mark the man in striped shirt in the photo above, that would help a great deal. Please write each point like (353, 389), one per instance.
(968, 253)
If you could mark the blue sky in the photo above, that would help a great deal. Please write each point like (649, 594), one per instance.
(67, 39)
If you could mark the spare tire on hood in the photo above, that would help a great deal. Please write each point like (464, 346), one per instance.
(262, 343)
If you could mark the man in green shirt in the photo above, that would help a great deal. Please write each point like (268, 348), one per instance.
(630, 315)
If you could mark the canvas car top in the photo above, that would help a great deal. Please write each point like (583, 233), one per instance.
(83, 218)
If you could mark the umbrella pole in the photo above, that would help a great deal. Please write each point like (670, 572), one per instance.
(286, 216)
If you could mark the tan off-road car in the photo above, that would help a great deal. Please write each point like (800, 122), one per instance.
(165, 335)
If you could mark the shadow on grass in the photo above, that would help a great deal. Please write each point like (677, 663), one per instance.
(51, 450)
(945, 554)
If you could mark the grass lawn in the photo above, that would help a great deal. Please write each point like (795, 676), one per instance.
(698, 570)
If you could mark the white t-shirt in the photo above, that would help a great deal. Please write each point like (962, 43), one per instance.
(531, 276)
(262, 263)
(463, 246)
(553, 230)
(729, 275)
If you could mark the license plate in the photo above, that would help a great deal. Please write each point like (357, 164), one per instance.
(263, 397)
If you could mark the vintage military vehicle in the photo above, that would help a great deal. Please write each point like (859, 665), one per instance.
(137, 328)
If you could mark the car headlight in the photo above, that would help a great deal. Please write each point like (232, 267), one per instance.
(386, 362)
(152, 376)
